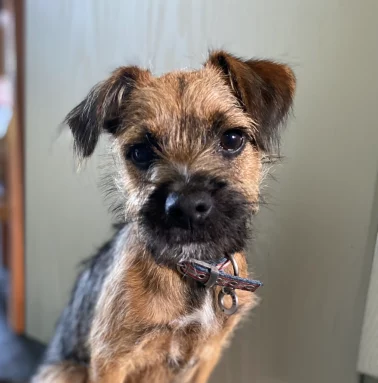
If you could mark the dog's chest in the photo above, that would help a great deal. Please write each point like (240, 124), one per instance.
(158, 324)
(178, 350)
(204, 316)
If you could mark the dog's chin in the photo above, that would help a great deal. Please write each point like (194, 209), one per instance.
(170, 252)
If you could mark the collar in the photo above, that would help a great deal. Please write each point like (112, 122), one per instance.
(211, 274)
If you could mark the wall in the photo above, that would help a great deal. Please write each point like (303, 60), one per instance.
(368, 355)
(314, 242)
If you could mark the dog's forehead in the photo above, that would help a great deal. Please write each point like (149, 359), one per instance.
(172, 100)
(191, 85)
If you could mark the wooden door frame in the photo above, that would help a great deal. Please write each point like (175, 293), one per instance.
(15, 179)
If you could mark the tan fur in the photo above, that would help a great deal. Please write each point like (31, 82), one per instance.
(62, 373)
(134, 329)
(144, 330)
(155, 106)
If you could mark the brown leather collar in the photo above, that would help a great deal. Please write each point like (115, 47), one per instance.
(212, 274)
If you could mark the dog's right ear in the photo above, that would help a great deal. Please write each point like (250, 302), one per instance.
(100, 111)
(264, 89)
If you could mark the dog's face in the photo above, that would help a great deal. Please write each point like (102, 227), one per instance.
(189, 148)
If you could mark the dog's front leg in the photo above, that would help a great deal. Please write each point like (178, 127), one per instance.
(212, 352)
(107, 372)
(206, 367)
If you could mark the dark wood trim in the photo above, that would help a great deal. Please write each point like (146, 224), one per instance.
(15, 185)
(16, 303)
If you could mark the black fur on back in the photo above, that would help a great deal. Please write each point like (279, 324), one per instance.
(71, 334)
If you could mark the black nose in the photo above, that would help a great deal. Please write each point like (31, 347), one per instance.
(188, 208)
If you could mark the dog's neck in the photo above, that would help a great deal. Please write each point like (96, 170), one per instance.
(194, 263)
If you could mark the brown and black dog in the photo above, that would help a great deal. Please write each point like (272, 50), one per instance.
(189, 149)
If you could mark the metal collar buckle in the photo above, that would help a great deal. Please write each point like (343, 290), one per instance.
(214, 272)
(229, 291)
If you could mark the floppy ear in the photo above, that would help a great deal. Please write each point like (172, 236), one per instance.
(265, 90)
(101, 109)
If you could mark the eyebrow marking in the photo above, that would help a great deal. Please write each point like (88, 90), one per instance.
(222, 122)
(182, 84)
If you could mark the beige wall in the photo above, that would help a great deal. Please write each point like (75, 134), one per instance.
(368, 355)
(314, 244)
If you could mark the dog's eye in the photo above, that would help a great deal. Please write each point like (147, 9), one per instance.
(232, 140)
(141, 155)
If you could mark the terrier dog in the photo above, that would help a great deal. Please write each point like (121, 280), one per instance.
(160, 300)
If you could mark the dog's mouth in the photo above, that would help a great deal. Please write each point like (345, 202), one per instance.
(206, 221)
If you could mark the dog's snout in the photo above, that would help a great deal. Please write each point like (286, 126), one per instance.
(183, 209)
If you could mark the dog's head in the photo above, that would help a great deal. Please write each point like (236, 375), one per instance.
(189, 148)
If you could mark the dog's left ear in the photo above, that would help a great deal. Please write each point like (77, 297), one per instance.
(265, 90)
(101, 110)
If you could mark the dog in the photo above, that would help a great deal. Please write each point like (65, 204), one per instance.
(160, 300)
